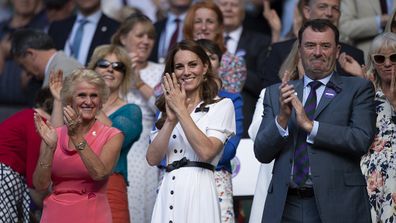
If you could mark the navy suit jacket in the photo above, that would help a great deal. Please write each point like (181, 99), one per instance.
(346, 115)
(60, 31)
(159, 28)
(272, 60)
(250, 46)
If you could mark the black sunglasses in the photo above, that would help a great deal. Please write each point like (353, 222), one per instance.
(118, 66)
(380, 58)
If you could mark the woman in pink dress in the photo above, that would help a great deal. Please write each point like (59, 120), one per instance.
(76, 159)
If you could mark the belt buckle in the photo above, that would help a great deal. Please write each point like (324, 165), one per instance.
(177, 164)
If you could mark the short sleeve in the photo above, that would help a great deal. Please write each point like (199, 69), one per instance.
(221, 123)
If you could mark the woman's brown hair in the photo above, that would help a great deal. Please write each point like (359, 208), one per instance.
(210, 86)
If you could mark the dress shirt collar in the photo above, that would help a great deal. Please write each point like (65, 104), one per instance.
(232, 43)
(172, 17)
(324, 81)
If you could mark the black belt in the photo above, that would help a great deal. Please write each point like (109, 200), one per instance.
(187, 163)
(301, 192)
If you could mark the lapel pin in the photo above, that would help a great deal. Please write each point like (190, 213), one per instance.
(329, 93)
(104, 28)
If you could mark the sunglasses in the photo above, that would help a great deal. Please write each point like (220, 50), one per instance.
(380, 58)
(117, 66)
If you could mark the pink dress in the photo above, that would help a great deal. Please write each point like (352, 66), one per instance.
(75, 196)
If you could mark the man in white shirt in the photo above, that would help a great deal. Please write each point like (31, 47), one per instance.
(80, 35)
(247, 44)
(166, 28)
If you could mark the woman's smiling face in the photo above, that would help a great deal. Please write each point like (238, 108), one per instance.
(189, 70)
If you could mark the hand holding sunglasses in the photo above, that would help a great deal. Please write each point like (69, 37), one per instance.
(118, 66)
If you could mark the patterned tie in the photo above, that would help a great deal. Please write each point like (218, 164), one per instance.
(75, 47)
(175, 34)
(301, 159)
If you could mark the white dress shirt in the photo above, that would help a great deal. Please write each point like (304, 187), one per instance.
(89, 31)
(232, 43)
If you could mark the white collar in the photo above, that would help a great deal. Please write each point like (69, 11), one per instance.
(235, 34)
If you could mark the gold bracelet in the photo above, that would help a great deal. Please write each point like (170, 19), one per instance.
(44, 165)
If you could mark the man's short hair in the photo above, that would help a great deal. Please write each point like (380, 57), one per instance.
(23, 39)
(319, 25)
(55, 4)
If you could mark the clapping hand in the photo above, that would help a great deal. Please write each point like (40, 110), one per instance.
(56, 83)
(175, 95)
(72, 120)
(46, 131)
(136, 80)
(350, 65)
(285, 96)
(273, 20)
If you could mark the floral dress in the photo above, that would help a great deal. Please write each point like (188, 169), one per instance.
(232, 72)
(379, 164)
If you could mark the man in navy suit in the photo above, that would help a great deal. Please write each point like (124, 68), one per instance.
(312, 9)
(97, 30)
(247, 44)
(167, 27)
(317, 147)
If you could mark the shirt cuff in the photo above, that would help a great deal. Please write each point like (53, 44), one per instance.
(282, 132)
(313, 133)
(378, 22)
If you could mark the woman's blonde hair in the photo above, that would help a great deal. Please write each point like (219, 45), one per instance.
(78, 76)
(290, 64)
(102, 51)
(386, 40)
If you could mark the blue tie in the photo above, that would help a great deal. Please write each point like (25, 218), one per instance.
(75, 47)
(301, 158)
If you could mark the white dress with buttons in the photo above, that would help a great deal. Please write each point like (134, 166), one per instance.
(188, 194)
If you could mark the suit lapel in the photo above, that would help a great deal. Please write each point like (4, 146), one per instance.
(332, 89)
(242, 41)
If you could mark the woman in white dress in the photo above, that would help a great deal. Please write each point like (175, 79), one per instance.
(136, 34)
(191, 132)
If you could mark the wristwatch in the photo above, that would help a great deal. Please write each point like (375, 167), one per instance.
(82, 145)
